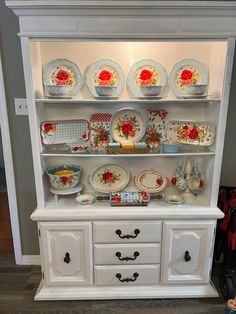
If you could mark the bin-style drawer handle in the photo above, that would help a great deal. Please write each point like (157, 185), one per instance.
(127, 236)
(119, 276)
(136, 254)
(187, 256)
(67, 258)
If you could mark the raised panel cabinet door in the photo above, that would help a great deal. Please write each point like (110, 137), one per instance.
(67, 253)
(187, 251)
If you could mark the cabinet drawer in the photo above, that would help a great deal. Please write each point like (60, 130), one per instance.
(108, 254)
(127, 275)
(127, 231)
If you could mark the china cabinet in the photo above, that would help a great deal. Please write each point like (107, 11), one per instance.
(99, 251)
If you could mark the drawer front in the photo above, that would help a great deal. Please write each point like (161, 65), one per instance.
(127, 231)
(127, 275)
(110, 254)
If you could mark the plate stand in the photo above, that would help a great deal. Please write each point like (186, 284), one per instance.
(58, 193)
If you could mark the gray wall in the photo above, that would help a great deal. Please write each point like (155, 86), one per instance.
(19, 127)
(14, 80)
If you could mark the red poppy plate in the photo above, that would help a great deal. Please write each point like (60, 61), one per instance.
(150, 181)
(100, 130)
(62, 72)
(128, 125)
(64, 131)
(188, 72)
(200, 133)
(110, 178)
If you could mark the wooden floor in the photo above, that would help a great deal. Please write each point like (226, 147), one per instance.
(18, 285)
(6, 245)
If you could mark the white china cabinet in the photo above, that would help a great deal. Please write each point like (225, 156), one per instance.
(82, 254)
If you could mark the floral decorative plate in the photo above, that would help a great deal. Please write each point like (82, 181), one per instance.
(127, 125)
(187, 72)
(156, 128)
(64, 131)
(191, 132)
(105, 78)
(100, 130)
(147, 78)
(110, 178)
(63, 72)
(150, 181)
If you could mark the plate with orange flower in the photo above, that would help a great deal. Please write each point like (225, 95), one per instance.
(150, 181)
(105, 78)
(128, 125)
(110, 178)
(62, 72)
(147, 78)
(188, 72)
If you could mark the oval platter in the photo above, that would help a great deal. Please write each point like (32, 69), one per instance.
(63, 72)
(150, 181)
(187, 72)
(146, 71)
(128, 125)
(110, 178)
(105, 74)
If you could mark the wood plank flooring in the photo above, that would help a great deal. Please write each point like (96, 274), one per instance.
(18, 285)
(6, 245)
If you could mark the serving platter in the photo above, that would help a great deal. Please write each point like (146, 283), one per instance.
(150, 181)
(64, 131)
(99, 124)
(109, 178)
(187, 72)
(128, 125)
(200, 133)
(63, 72)
(105, 78)
(147, 78)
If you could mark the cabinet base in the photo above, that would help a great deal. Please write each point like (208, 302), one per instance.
(107, 292)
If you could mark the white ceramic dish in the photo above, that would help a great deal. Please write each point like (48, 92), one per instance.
(195, 90)
(174, 199)
(128, 125)
(85, 199)
(78, 147)
(105, 78)
(147, 78)
(109, 178)
(187, 72)
(62, 72)
(150, 181)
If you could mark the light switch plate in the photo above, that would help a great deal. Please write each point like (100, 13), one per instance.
(21, 107)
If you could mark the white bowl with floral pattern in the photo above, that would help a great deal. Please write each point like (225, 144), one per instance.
(64, 177)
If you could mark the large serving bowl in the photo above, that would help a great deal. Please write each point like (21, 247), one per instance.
(195, 90)
(64, 177)
(105, 91)
(59, 90)
(151, 90)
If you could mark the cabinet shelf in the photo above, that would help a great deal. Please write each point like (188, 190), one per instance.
(128, 101)
(202, 152)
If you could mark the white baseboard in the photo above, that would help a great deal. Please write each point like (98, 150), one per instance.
(30, 260)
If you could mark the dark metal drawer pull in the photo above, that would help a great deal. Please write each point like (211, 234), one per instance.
(128, 236)
(136, 254)
(67, 258)
(187, 256)
(119, 276)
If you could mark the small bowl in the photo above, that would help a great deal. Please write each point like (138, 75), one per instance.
(195, 90)
(105, 91)
(151, 90)
(59, 90)
(64, 177)
(170, 147)
(78, 147)
(85, 199)
(174, 199)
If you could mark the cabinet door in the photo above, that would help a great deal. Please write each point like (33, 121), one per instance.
(187, 251)
(66, 249)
